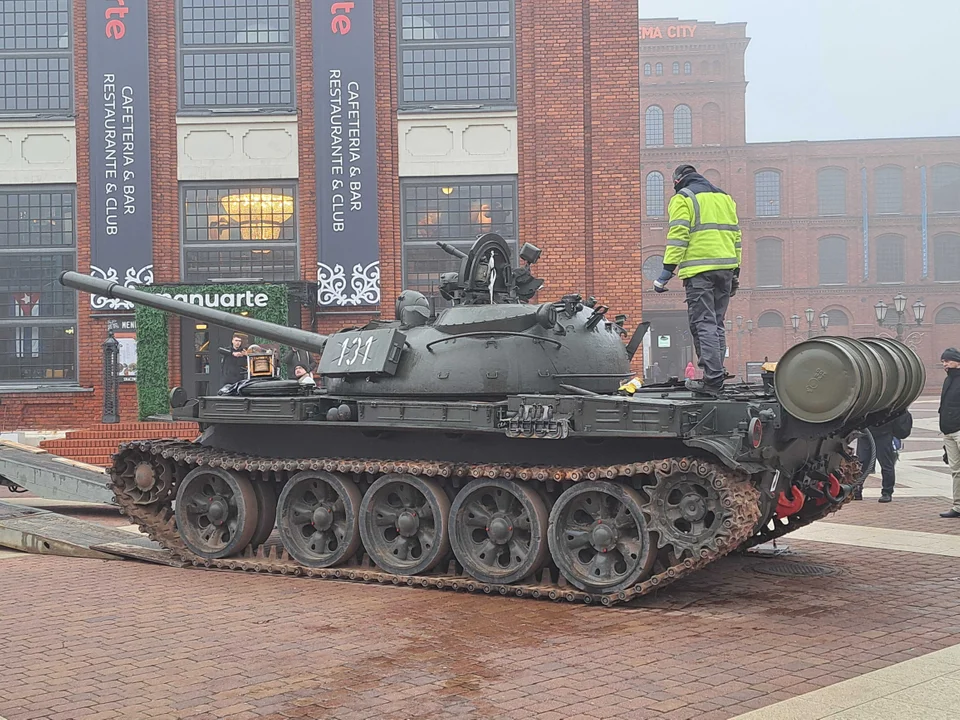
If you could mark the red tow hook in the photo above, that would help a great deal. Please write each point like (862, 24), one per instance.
(789, 506)
(833, 490)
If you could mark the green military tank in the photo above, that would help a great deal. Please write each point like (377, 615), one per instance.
(498, 447)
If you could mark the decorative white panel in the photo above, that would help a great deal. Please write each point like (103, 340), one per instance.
(38, 152)
(439, 144)
(237, 148)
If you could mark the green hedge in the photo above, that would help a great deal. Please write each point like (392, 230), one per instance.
(153, 339)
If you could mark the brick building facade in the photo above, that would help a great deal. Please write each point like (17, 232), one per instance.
(833, 227)
(507, 116)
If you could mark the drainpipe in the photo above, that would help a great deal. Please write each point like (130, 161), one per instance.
(866, 224)
(923, 221)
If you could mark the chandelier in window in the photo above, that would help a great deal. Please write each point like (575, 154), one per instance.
(260, 215)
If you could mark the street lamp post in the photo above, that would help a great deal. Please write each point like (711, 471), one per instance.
(810, 314)
(900, 307)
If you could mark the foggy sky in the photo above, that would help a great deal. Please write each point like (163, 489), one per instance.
(841, 69)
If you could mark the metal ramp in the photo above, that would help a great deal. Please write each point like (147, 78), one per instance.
(33, 530)
(24, 467)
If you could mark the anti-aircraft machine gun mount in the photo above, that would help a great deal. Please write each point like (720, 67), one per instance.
(496, 448)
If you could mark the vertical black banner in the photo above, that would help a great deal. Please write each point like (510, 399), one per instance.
(118, 77)
(346, 147)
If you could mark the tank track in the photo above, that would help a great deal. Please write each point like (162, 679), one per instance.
(155, 517)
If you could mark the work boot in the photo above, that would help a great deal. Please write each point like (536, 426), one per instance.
(951, 513)
(885, 498)
(702, 388)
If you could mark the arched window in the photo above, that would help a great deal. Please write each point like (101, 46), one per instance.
(711, 124)
(947, 316)
(659, 68)
(655, 194)
(888, 189)
(832, 191)
(767, 189)
(682, 125)
(652, 267)
(654, 122)
(770, 319)
(647, 69)
(769, 263)
(832, 253)
(838, 318)
(713, 176)
(676, 68)
(945, 188)
(687, 68)
(946, 257)
(890, 259)
(716, 67)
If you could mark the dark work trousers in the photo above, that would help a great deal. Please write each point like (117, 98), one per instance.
(886, 459)
(708, 295)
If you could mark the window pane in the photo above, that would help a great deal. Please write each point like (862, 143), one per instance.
(236, 22)
(769, 263)
(455, 52)
(253, 229)
(767, 189)
(832, 191)
(237, 79)
(888, 187)
(946, 258)
(654, 126)
(682, 126)
(36, 219)
(945, 188)
(38, 353)
(837, 318)
(35, 57)
(652, 267)
(770, 320)
(655, 202)
(947, 316)
(890, 259)
(29, 287)
(833, 261)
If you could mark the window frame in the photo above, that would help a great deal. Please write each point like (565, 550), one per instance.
(451, 181)
(902, 246)
(675, 68)
(876, 189)
(767, 242)
(662, 196)
(213, 49)
(240, 185)
(646, 127)
(779, 326)
(688, 68)
(69, 54)
(846, 261)
(687, 119)
(647, 70)
(933, 190)
(937, 240)
(441, 106)
(64, 321)
(658, 69)
(825, 177)
(778, 174)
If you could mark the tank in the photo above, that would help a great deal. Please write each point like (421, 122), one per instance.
(500, 446)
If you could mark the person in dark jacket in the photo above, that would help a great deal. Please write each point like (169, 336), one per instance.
(233, 362)
(883, 436)
(950, 423)
(296, 356)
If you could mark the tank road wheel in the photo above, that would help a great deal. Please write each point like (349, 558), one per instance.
(498, 530)
(403, 523)
(317, 518)
(598, 537)
(216, 512)
(266, 493)
(686, 512)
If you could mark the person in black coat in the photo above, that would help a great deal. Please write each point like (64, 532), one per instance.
(950, 423)
(296, 356)
(883, 435)
(233, 362)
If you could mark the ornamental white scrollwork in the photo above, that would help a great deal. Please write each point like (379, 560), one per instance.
(132, 277)
(364, 284)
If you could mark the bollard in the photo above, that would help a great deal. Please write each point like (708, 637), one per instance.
(111, 379)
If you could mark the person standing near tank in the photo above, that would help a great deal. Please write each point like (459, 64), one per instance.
(704, 249)
(295, 357)
(883, 440)
(950, 423)
(233, 362)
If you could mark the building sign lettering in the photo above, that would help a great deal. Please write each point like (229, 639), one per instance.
(248, 299)
(121, 223)
(348, 268)
(670, 32)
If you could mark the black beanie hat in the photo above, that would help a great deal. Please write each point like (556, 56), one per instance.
(951, 354)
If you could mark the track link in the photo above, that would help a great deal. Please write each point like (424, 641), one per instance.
(155, 517)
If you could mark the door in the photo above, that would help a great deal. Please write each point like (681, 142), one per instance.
(671, 346)
(200, 364)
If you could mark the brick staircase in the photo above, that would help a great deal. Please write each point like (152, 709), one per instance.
(96, 444)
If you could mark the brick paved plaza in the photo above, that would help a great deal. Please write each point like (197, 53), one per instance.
(91, 639)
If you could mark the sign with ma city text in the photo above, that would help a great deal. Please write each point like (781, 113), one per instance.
(348, 268)
(118, 76)
(667, 32)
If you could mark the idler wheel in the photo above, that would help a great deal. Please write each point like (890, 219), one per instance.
(216, 512)
(317, 518)
(598, 537)
(148, 479)
(403, 523)
(498, 530)
(266, 493)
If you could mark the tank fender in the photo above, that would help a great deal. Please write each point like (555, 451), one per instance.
(725, 447)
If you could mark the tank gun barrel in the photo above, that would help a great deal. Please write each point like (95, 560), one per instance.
(294, 337)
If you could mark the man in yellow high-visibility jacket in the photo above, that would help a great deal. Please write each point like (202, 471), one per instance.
(703, 247)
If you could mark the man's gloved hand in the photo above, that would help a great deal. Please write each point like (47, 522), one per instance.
(734, 286)
(660, 284)
(946, 460)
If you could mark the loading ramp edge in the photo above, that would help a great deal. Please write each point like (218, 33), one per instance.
(53, 477)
